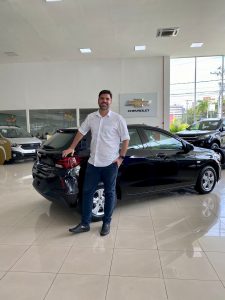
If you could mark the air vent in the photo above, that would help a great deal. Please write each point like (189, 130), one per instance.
(167, 32)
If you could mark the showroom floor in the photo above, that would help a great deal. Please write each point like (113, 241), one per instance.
(167, 246)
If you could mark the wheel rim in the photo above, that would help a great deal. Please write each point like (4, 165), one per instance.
(208, 180)
(214, 146)
(98, 203)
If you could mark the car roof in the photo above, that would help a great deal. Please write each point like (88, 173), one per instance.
(73, 129)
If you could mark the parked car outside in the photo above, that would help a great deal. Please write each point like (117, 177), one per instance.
(156, 161)
(206, 133)
(23, 145)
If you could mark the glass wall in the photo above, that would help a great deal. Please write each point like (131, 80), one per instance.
(196, 88)
(84, 112)
(182, 88)
(44, 122)
(13, 118)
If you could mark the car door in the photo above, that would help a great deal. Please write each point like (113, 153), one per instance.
(162, 153)
(135, 174)
(222, 134)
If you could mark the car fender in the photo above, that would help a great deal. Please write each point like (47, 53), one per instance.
(2, 155)
(222, 153)
(5, 150)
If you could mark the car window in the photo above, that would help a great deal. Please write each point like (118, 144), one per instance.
(14, 133)
(223, 123)
(60, 140)
(205, 125)
(159, 140)
(135, 141)
(63, 139)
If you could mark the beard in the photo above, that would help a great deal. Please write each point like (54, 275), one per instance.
(104, 106)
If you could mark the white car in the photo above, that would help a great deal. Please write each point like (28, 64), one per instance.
(23, 145)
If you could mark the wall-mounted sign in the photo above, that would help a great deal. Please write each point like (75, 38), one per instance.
(138, 105)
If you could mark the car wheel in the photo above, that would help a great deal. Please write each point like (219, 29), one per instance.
(215, 146)
(206, 180)
(98, 204)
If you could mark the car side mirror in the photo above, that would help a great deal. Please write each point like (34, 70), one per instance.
(187, 147)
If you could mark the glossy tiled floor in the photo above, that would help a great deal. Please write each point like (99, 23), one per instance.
(167, 246)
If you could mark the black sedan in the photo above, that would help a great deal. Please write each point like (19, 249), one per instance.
(156, 161)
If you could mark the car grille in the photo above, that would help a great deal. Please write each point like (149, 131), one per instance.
(30, 146)
(190, 138)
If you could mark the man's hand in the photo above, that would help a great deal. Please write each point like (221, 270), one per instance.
(119, 161)
(67, 152)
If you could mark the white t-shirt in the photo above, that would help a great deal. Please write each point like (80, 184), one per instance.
(107, 133)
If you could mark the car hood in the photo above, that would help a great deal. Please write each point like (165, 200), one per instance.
(30, 140)
(194, 132)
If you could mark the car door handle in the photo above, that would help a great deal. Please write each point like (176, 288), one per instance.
(161, 155)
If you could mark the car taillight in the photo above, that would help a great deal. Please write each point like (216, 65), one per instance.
(68, 162)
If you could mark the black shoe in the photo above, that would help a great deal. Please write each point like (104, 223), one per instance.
(80, 228)
(105, 229)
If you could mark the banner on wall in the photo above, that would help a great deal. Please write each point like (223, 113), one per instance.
(138, 105)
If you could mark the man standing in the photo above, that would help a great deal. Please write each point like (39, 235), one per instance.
(108, 129)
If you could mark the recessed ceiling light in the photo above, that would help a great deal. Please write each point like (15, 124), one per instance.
(53, 0)
(196, 45)
(85, 50)
(140, 48)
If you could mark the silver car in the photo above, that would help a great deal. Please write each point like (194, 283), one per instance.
(23, 145)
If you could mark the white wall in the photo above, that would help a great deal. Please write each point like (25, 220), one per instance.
(76, 84)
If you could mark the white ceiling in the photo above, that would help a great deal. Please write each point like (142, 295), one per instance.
(40, 31)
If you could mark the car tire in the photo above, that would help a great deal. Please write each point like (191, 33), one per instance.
(98, 203)
(206, 180)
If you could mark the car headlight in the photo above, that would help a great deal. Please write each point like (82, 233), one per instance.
(14, 145)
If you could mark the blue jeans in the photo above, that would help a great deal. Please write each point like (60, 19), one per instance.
(93, 176)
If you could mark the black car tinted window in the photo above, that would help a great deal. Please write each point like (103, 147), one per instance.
(159, 140)
(63, 139)
(60, 140)
(135, 141)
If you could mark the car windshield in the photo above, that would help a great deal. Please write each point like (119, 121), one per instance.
(205, 125)
(14, 133)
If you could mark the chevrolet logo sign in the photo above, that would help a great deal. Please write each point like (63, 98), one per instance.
(138, 102)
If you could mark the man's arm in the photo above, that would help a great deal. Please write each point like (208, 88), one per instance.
(123, 152)
(124, 147)
(76, 140)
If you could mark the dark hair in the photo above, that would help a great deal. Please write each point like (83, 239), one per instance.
(105, 92)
